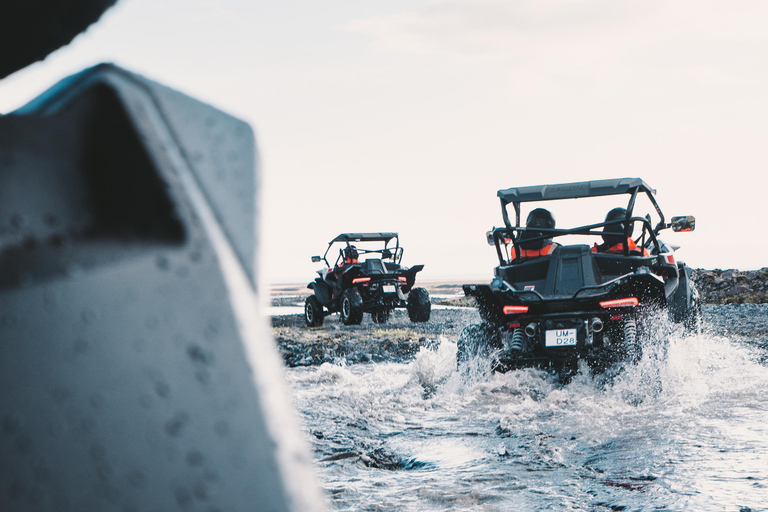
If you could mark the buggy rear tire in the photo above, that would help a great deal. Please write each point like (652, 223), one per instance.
(313, 312)
(471, 339)
(380, 316)
(419, 305)
(351, 314)
(477, 341)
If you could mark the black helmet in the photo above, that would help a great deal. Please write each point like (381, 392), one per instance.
(616, 214)
(350, 253)
(538, 218)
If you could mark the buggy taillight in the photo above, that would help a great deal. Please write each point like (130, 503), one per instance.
(620, 303)
(359, 280)
(402, 279)
(515, 310)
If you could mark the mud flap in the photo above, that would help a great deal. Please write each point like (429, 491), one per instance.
(322, 291)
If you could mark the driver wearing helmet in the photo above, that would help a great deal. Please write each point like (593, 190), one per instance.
(350, 255)
(616, 243)
(538, 218)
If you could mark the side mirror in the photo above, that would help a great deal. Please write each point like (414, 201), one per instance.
(489, 237)
(686, 223)
(316, 259)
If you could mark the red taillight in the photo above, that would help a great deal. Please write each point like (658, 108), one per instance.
(359, 280)
(620, 303)
(514, 325)
(402, 279)
(515, 310)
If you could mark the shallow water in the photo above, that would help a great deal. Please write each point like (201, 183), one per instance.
(686, 428)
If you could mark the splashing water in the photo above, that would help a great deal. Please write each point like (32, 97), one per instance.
(683, 428)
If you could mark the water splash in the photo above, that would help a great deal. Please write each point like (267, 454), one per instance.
(681, 428)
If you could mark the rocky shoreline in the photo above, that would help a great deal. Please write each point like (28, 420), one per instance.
(732, 286)
(397, 340)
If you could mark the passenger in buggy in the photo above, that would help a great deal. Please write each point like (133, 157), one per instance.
(615, 243)
(538, 218)
(350, 255)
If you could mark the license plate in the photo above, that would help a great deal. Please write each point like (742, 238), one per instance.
(560, 338)
(388, 288)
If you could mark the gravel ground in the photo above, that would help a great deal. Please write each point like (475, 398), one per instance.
(399, 339)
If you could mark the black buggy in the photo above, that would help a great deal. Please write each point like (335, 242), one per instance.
(366, 278)
(550, 305)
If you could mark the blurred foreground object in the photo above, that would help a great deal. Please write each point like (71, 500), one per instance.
(133, 374)
(31, 29)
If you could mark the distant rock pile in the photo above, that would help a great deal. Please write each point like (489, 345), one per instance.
(732, 286)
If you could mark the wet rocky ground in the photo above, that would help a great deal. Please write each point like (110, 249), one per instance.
(397, 340)
(732, 286)
(735, 306)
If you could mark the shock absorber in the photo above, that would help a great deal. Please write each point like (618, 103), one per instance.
(630, 338)
(517, 343)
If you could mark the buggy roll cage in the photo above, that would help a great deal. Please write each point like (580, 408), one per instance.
(595, 188)
(396, 253)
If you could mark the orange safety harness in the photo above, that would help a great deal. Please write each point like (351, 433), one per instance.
(535, 253)
(619, 247)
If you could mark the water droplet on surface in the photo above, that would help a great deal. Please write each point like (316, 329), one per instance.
(87, 316)
(163, 263)
(175, 426)
(221, 428)
(195, 458)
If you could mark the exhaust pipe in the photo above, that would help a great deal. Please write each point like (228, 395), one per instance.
(530, 330)
(597, 325)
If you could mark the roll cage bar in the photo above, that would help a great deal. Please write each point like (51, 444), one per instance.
(396, 252)
(632, 186)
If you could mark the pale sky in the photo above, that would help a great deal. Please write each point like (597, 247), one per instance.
(409, 116)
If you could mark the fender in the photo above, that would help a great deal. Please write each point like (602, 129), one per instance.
(410, 275)
(322, 291)
(488, 304)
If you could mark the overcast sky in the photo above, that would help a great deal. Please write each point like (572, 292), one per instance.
(409, 116)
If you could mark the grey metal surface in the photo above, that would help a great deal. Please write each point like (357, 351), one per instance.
(131, 375)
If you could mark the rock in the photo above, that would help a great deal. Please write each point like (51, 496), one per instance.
(732, 286)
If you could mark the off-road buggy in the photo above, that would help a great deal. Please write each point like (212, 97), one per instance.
(550, 305)
(366, 278)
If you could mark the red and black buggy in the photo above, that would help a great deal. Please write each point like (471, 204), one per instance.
(552, 303)
(366, 277)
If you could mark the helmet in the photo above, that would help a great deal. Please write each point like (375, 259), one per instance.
(350, 253)
(616, 214)
(538, 218)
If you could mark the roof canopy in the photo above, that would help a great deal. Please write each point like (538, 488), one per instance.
(573, 190)
(364, 237)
